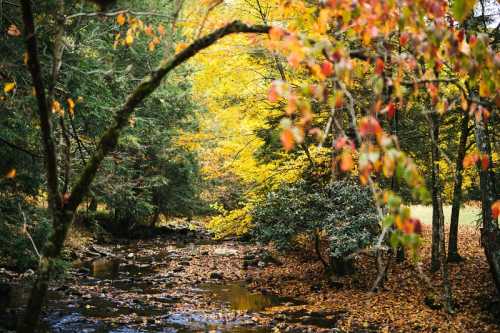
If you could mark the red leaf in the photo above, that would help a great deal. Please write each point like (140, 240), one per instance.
(379, 66)
(485, 162)
(404, 38)
(391, 110)
(369, 125)
(327, 68)
(340, 142)
(411, 226)
(495, 209)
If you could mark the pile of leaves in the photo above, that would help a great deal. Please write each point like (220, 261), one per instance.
(404, 303)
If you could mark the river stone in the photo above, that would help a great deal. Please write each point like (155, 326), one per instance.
(249, 257)
(100, 250)
(216, 276)
(225, 252)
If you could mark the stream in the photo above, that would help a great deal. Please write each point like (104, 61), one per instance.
(150, 286)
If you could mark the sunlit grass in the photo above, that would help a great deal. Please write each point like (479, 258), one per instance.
(468, 214)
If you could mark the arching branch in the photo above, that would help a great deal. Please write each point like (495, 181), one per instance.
(110, 138)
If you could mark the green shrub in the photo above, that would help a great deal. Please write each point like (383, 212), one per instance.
(342, 210)
(16, 248)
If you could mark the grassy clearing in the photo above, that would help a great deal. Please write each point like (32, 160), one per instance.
(468, 214)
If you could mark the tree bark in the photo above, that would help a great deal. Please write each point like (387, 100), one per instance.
(63, 210)
(437, 205)
(317, 247)
(490, 233)
(453, 255)
(438, 260)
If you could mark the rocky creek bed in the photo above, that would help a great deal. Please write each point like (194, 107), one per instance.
(166, 286)
(188, 283)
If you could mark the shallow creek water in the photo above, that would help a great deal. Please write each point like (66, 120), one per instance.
(142, 288)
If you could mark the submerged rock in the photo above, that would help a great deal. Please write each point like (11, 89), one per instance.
(216, 276)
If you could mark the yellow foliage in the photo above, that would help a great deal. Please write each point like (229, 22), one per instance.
(8, 87)
(231, 80)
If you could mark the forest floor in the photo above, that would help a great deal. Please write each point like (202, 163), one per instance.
(192, 284)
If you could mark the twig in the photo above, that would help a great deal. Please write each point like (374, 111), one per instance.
(25, 230)
(12, 145)
(123, 11)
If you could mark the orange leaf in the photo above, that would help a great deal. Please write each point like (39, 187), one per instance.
(469, 160)
(346, 162)
(71, 105)
(495, 209)
(13, 31)
(379, 66)
(276, 33)
(287, 139)
(11, 174)
(272, 96)
(151, 46)
(57, 108)
(120, 19)
(149, 30)
(180, 47)
(294, 59)
(161, 30)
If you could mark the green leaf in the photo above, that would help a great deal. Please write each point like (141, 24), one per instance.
(461, 9)
(394, 240)
(388, 221)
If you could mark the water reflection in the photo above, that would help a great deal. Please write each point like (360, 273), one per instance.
(240, 298)
(105, 268)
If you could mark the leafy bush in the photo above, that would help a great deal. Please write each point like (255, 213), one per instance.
(15, 247)
(342, 210)
(352, 219)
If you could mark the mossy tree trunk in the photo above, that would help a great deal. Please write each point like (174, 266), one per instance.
(62, 207)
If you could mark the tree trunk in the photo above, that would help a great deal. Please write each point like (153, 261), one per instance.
(52, 249)
(382, 271)
(437, 204)
(341, 266)
(447, 296)
(438, 260)
(490, 233)
(453, 255)
(155, 218)
(317, 248)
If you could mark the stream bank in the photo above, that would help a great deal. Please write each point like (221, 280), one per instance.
(190, 283)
